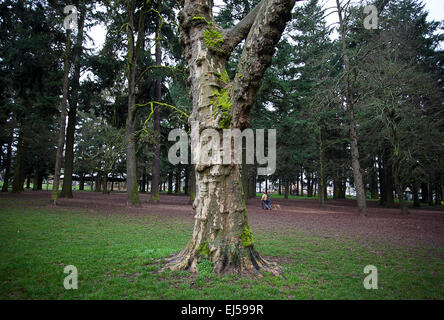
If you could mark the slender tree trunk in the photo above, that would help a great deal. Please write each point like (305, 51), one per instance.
(382, 182)
(321, 170)
(424, 192)
(8, 163)
(156, 160)
(373, 182)
(134, 48)
(62, 123)
(186, 187)
(430, 188)
(72, 113)
(357, 175)
(416, 202)
(399, 187)
(170, 183)
(221, 231)
(105, 182)
(143, 185)
(302, 181)
(82, 182)
(287, 187)
(178, 176)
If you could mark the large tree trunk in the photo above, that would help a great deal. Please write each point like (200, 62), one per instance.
(62, 123)
(221, 231)
(349, 100)
(72, 114)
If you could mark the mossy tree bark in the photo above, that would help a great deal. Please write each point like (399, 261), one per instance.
(221, 231)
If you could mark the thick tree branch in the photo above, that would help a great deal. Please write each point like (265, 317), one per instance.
(233, 36)
(256, 56)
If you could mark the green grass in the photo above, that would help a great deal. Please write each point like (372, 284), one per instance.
(116, 259)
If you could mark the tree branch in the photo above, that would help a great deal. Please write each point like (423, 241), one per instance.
(260, 45)
(233, 36)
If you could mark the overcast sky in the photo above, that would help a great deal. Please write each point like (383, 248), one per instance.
(434, 7)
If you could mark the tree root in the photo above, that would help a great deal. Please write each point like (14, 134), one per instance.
(249, 264)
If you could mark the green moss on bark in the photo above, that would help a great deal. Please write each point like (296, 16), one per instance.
(212, 37)
(220, 100)
(246, 236)
(204, 250)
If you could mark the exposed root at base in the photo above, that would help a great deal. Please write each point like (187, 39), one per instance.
(250, 264)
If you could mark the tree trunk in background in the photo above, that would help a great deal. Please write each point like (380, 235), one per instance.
(424, 192)
(321, 176)
(170, 183)
(252, 186)
(72, 113)
(8, 163)
(416, 202)
(399, 187)
(280, 187)
(36, 178)
(82, 182)
(186, 187)
(221, 231)
(373, 182)
(105, 182)
(134, 48)
(430, 188)
(40, 182)
(390, 202)
(62, 121)
(143, 185)
(309, 185)
(437, 194)
(302, 181)
(382, 182)
(156, 160)
(287, 187)
(178, 176)
(357, 175)
(192, 184)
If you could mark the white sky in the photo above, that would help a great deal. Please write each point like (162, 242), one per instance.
(434, 7)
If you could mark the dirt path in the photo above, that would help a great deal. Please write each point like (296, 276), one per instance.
(336, 218)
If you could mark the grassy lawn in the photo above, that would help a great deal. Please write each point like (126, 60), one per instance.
(116, 258)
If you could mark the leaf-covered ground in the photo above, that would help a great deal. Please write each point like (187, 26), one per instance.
(118, 251)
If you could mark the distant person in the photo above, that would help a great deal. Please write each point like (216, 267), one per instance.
(268, 201)
(265, 201)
